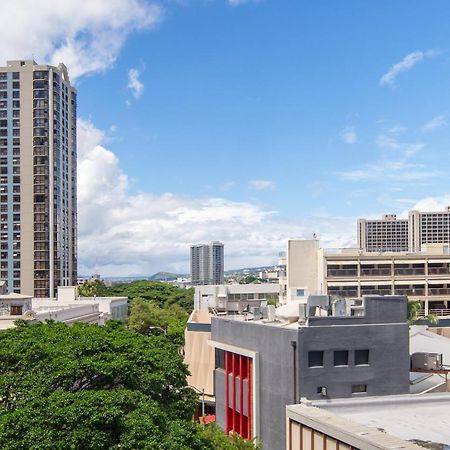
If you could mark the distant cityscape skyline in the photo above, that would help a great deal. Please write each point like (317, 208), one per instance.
(243, 121)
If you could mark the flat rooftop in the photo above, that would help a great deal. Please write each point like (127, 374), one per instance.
(416, 418)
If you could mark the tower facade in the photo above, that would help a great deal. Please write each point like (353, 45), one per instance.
(390, 234)
(38, 177)
(207, 263)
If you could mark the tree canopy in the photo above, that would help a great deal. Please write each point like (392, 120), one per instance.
(91, 387)
(163, 294)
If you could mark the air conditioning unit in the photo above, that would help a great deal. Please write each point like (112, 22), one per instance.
(256, 311)
(357, 311)
(302, 309)
(271, 313)
(426, 361)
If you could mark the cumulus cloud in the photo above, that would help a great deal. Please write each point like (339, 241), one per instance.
(125, 234)
(349, 135)
(86, 38)
(261, 185)
(432, 203)
(434, 123)
(407, 63)
(134, 83)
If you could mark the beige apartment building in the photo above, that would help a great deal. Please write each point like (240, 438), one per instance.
(390, 234)
(38, 198)
(353, 273)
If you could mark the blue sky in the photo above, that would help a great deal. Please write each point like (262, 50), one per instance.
(250, 122)
(266, 91)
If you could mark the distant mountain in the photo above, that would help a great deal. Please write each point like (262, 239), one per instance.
(169, 276)
(165, 276)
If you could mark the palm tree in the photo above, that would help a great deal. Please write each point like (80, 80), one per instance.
(414, 308)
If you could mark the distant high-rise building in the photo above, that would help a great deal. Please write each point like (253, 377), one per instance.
(390, 234)
(38, 178)
(207, 266)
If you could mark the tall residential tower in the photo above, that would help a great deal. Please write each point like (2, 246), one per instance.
(207, 266)
(38, 164)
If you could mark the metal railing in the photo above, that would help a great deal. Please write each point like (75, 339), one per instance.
(435, 312)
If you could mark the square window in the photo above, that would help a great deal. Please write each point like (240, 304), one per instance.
(361, 357)
(300, 292)
(341, 358)
(359, 389)
(315, 359)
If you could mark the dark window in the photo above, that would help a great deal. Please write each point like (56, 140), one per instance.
(359, 389)
(315, 359)
(220, 358)
(15, 309)
(361, 357)
(341, 358)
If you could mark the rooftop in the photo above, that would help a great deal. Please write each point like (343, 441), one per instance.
(418, 418)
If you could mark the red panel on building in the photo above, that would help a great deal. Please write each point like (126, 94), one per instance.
(238, 402)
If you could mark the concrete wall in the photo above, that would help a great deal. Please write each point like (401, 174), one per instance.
(386, 374)
(382, 330)
(276, 380)
(303, 266)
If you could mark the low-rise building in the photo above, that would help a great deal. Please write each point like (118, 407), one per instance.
(234, 298)
(110, 308)
(353, 273)
(198, 355)
(376, 423)
(67, 308)
(262, 365)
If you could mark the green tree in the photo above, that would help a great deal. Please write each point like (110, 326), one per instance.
(414, 308)
(163, 294)
(91, 387)
(433, 319)
(221, 441)
(251, 279)
(92, 288)
(146, 315)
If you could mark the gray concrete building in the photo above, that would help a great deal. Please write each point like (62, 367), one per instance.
(38, 177)
(264, 365)
(207, 263)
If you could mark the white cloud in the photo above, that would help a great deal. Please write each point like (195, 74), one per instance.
(241, 2)
(407, 63)
(261, 185)
(349, 135)
(86, 38)
(124, 234)
(397, 129)
(227, 186)
(394, 162)
(134, 83)
(428, 204)
(434, 123)
(387, 141)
